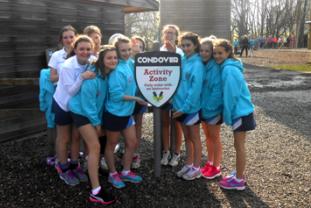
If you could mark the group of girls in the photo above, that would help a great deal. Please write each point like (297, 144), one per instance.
(212, 90)
(94, 99)
(97, 99)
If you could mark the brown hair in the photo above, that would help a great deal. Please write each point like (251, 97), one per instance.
(79, 39)
(193, 37)
(174, 27)
(208, 41)
(226, 45)
(65, 29)
(136, 37)
(88, 30)
(99, 64)
(121, 39)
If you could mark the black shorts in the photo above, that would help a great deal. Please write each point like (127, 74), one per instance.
(244, 123)
(139, 109)
(117, 123)
(79, 120)
(166, 107)
(189, 119)
(62, 117)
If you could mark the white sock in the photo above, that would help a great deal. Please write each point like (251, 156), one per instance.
(189, 166)
(196, 168)
(125, 172)
(96, 190)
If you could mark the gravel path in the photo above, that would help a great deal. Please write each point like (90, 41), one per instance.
(278, 170)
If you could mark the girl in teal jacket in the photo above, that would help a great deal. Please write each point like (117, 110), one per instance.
(186, 104)
(118, 116)
(238, 109)
(86, 109)
(211, 112)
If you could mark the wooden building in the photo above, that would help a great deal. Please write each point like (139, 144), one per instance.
(205, 17)
(28, 28)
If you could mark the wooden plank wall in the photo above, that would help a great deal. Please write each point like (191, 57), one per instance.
(205, 17)
(28, 27)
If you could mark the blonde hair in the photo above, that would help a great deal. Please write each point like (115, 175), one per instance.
(174, 27)
(88, 30)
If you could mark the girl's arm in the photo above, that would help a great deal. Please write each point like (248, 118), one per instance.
(53, 75)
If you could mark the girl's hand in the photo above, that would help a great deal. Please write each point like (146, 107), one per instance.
(177, 114)
(170, 46)
(141, 101)
(88, 75)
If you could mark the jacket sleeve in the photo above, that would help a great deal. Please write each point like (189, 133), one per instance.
(42, 93)
(232, 87)
(215, 99)
(71, 84)
(195, 88)
(117, 86)
(88, 102)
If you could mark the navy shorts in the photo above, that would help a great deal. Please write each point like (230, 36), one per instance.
(139, 109)
(62, 117)
(217, 120)
(189, 119)
(79, 120)
(117, 123)
(244, 123)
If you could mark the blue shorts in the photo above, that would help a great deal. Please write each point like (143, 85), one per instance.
(244, 123)
(62, 117)
(217, 120)
(79, 120)
(189, 119)
(117, 123)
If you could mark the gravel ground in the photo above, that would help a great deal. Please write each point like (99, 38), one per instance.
(278, 170)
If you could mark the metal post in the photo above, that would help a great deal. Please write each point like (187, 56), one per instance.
(157, 141)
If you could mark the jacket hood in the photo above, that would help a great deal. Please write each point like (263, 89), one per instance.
(233, 62)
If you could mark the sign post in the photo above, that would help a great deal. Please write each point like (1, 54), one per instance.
(157, 75)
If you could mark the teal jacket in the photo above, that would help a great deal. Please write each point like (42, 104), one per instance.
(47, 89)
(187, 97)
(90, 100)
(236, 95)
(211, 97)
(121, 82)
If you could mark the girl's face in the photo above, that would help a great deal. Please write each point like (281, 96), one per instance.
(125, 50)
(83, 51)
(67, 38)
(188, 47)
(220, 54)
(205, 52)
(169, 35)
(137, 47)
(97, 39)
(110, 60)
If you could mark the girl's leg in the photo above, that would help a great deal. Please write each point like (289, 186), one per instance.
(130, 146)
(90, 137)
(194, 134)
(178, 142)
(189, 145)
(75, 144)
(138, 126)
(216, 146)
(209, 145)
(112, 141)
(62, 139)
(239, 144)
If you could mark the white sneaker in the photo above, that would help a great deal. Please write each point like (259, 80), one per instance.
(136, 161)
(192, 174)
(103, 164)
(183, 171)
(165, 157)
(175, 160)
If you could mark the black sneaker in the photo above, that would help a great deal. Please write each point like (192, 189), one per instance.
(103, 197)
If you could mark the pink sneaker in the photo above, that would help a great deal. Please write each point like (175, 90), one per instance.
(232, 183)
(211, 173)
(206, 167)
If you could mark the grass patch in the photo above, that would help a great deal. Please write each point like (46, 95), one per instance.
(292, 67)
